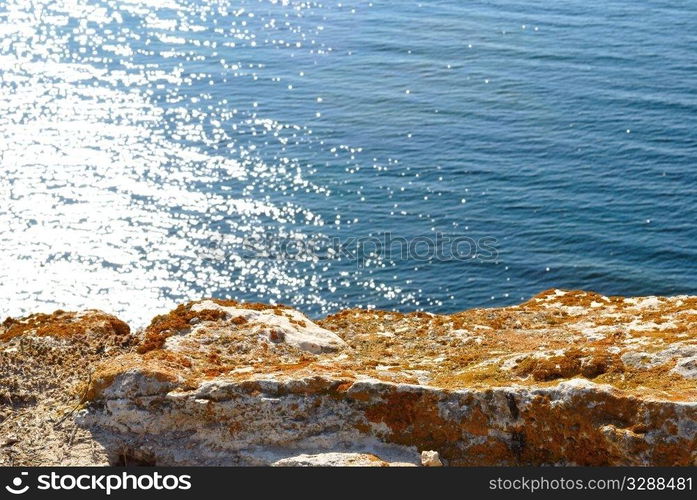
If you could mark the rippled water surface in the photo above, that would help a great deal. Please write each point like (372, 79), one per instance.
(142, 143)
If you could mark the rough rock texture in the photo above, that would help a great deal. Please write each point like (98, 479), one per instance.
(338, 460)
(45, 362)
(430, 459)
(565, 378)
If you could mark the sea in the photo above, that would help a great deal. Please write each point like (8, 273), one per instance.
(404, 155)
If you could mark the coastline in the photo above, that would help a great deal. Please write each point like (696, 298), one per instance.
(567, 378)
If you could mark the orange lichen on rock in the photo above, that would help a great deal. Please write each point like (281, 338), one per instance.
(64, 324)
(46, 362)
(183, 318)
(557, 335)
(571, 363)
(568, 377)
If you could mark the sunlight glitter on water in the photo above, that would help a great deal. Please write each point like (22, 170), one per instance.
(122, 164)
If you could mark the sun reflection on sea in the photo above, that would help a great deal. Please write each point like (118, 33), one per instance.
(123, 159)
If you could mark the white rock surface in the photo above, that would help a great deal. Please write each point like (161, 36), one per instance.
(430, 458)
(302, 333)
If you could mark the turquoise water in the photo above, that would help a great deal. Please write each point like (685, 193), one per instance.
(144, 142)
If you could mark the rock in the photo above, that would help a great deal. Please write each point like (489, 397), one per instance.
(206, 319)
(567, 378)
(45, 365)
(430, 459)
(332, 460)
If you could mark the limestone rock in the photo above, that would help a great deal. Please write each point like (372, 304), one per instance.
(279, 325)
(430, 459)
(567, 378)
(45, 366)
(338, 460)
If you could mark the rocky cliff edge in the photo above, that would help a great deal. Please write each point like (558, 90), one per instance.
(567, 378)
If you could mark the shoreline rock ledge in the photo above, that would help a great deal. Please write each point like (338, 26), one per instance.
(566, 378)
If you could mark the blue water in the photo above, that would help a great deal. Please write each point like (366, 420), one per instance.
(142, 141)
